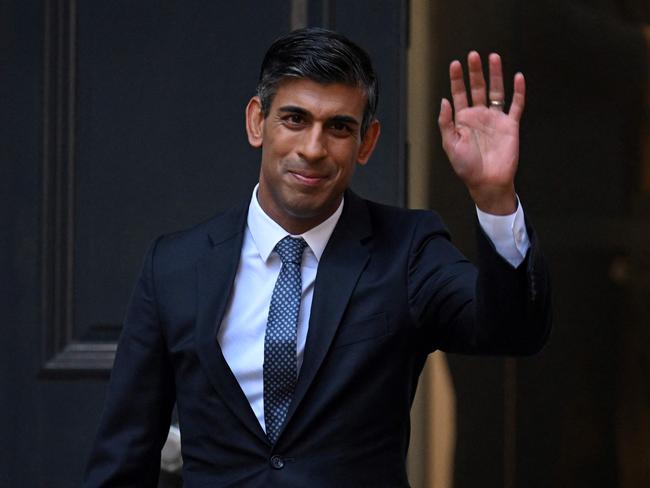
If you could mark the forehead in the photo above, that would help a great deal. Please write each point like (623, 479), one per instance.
(320, 100)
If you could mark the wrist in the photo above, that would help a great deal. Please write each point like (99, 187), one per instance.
(495, 201)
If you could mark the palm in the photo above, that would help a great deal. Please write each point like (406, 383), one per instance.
(483, 143)
(485, 146)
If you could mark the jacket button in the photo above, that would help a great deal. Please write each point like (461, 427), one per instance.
(277, 462)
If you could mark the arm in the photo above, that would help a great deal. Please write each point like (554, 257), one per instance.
(492, 309)
(139, 400)
(498, 308)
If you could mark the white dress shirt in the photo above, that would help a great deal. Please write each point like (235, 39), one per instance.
(507, 233)
(241, 335)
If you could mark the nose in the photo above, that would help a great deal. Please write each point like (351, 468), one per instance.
(312, 146)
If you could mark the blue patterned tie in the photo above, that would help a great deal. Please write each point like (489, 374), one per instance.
(280, 369)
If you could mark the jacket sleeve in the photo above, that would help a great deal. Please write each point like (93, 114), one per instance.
(492, 308)
(140, 397)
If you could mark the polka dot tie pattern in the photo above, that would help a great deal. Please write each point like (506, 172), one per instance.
(280, 369)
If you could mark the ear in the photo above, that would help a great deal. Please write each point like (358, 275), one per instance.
(369, 142)
(255, 122)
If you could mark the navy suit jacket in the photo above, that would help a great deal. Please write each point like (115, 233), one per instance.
(390, 289)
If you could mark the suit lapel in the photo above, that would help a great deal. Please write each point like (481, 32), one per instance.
(216, 273)
(339, 269)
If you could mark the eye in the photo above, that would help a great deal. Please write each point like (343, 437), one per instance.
(340, 129)
(294, 120)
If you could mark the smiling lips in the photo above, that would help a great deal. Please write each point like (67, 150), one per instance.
(308, 179)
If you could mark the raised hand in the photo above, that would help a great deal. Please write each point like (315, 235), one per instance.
(481, 140)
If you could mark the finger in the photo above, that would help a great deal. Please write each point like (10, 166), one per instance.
(497, 93)
(458, 92)
(446, 123)
(476, 79)
(518, 98)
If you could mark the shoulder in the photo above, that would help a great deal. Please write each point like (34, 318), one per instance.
(404, 221)
(188, 245)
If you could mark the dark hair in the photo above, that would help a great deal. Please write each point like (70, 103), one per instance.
(320, 55)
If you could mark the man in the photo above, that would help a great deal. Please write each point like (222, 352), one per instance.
(291, 331)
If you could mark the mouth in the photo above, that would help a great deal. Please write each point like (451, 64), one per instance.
(310, 179)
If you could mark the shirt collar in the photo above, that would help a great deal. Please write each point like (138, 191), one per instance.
(267, 233)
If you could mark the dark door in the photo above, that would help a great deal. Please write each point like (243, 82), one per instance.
(121, 121)
(578, 413)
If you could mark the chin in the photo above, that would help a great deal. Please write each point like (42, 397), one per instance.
(305, 211)
(307, 208)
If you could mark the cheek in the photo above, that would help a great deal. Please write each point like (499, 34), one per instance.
(344, 151)
(345, 162)
(272, 160)
(281, 142)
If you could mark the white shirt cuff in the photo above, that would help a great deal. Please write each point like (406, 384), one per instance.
(507, 233)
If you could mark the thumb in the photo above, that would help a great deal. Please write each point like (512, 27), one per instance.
(446, 123)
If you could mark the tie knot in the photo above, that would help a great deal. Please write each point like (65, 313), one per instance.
(290, 249)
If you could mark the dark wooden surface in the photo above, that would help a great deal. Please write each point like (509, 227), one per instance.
(120, 121)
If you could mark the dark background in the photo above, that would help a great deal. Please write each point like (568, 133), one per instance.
(578, 414)
(121, 121)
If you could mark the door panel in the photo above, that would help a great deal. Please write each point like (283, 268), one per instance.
(121, 121)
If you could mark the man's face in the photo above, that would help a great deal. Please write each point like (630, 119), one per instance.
(311, 142)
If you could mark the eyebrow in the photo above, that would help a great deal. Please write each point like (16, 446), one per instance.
(348, 119)
(293, 110)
